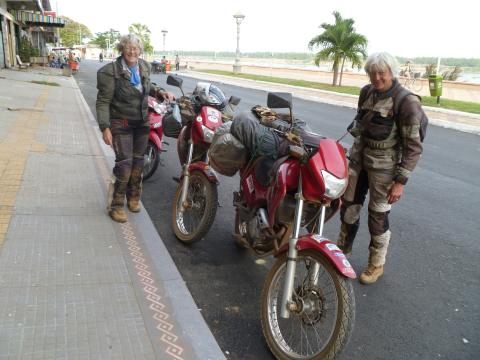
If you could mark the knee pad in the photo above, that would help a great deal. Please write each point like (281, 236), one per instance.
(378, 222)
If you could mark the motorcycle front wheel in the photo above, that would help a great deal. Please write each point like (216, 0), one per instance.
(195, 220)
(322, 323)
(151, 160)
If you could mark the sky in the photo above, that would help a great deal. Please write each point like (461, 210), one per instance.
(404, 28)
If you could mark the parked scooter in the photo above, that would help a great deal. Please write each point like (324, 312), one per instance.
(195, 202)
(307, 302)
(158, 114)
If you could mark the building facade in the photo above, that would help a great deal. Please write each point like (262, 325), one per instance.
(29, 19)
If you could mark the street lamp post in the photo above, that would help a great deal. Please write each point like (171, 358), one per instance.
(164, 32)
(236, 67)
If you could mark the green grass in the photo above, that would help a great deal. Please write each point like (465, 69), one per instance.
(466, 106)
(353, 90)
(45, 83)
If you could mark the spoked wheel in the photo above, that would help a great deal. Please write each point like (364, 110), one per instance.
(321, 325)
(195, 220)
(417, 85)
(151, 160)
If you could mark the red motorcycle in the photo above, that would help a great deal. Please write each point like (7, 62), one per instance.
(158, 114)
(195, 202)
(307, 303)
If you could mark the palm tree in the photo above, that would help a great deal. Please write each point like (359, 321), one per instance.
(339, 42)
(143, 33)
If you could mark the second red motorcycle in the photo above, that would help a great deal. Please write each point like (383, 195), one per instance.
(196, 199)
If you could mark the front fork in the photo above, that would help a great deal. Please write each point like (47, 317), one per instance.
(186, 178)
(287, 304)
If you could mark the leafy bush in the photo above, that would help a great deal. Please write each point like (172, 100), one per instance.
(453, 74)
(26, 50)
(430, 69)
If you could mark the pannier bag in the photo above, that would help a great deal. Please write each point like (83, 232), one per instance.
(227, 155)
(172, 122)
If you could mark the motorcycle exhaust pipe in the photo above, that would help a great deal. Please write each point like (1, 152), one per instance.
(287, 305)
(186, 178)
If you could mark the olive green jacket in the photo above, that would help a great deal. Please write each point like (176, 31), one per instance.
(117, 98)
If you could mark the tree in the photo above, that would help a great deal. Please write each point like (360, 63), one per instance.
(73, 33)
(143, 33)
(107, 39)
(339, 42)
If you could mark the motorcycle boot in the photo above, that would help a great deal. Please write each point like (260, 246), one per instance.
(371, 274)
(116, 208)
(376, 260)
(134, 187)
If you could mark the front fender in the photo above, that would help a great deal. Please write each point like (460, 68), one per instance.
(328, 249)
(205, 169)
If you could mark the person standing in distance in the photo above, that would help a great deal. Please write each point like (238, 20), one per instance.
(177, 63)
(385, 151)
(122, 103)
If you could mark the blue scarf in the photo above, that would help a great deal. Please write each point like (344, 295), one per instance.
(135, 75)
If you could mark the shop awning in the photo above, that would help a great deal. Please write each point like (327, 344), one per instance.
(37, 19)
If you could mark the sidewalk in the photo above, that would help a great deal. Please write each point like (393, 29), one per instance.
(74, 284)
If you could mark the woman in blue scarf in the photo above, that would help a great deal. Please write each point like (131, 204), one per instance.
(122, 114)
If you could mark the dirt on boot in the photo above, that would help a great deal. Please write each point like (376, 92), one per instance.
(118, 215)
(371, 274)
(134, 205)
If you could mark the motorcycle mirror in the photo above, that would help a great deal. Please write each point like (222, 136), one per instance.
(234, 100)
(279, 100)
(175, 81)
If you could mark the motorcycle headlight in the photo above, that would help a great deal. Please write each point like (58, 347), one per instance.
(207, 134)
(334, 187)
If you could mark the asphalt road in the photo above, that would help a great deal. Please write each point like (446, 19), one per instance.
(426, 306)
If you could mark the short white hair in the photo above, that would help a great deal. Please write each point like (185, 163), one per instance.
(129, 39)
(381, 61)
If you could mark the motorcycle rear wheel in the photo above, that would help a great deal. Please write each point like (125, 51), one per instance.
(323, 323)
(151, 159)
(194, 222)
